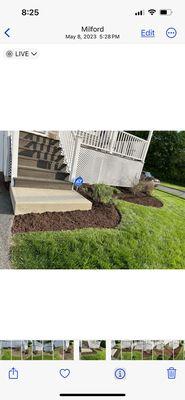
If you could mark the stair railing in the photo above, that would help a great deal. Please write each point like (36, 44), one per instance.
(71, 143)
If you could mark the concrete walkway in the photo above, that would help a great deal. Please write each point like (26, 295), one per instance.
(176, 192)
(6, 220)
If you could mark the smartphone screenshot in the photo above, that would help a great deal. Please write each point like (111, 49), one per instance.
(92, 200)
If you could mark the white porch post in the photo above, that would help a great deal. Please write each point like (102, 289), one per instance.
(113, 141)
(76, 153)
(15, 150)
(147, 146)
(3, 149)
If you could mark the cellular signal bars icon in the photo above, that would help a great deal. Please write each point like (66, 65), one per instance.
(141, 12)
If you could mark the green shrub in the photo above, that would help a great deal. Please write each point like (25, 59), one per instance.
(103, 193)
(146, 187)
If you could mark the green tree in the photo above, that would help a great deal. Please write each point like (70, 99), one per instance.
(166, 156)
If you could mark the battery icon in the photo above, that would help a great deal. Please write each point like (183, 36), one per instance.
(166, 12)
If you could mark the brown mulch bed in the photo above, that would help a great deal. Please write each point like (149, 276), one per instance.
(101, 216)
(126, 195)
(141, 200)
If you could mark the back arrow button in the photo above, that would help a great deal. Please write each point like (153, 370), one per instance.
(7, 32)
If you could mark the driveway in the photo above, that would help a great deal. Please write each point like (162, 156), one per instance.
(6, 220)
(176, 192)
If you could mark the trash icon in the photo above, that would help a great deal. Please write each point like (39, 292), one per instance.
(171, 373)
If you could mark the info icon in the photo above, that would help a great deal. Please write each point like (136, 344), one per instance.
(120, 373)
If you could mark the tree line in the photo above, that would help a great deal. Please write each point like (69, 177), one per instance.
(166, 155)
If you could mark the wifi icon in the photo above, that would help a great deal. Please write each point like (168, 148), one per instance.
(152, 11)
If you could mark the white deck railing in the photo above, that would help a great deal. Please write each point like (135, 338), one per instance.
(118, 142)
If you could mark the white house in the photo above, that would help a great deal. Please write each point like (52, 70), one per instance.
(147, 345)
(61, 343)
(49, 346)
(14, 344)
(89, 345)
(35, 162)
(37, 346)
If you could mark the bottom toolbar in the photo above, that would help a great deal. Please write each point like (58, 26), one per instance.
(51, 369)
(20, 380)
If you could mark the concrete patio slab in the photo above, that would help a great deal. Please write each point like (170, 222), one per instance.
(28, 200)
(86, 351)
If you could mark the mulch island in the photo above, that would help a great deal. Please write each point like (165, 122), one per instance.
(140, 198)
(126, 195)
(101, 216)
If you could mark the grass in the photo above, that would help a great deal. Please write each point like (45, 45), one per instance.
(37, 356)
(99, 355)
(16, 354)
(47, 356)
(173, 186)
(137, 355)
(158, 356)
(59, 353)
(6, 354)
(180, 355)
(126, 355)
(147, 237)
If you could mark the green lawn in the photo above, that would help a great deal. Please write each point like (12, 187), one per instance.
(6, 354)
(180, 355)
(16, 355)
(137, 355)
(171, 185)
(37, 357)
(59, 353)
(99, 355)
(157, 356)
(147, 237)
(126, 355)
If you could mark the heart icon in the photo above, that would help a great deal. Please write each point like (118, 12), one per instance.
(64, 373)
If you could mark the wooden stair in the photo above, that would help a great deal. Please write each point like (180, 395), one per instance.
(42, 184)
(41, 163)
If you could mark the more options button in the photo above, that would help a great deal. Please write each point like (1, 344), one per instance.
(171, 33)
(147, 33)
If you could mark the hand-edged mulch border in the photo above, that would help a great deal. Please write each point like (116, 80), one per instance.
(101, 216)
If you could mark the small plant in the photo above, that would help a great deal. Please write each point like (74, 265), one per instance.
(145, 187)
(148, 188)
(103, 193)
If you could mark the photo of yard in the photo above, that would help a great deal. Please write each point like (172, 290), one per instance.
(147, 350)
(128, 213)
(92, 350)
(43, 350)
